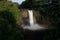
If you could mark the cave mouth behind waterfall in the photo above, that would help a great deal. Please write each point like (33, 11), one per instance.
(32, 25)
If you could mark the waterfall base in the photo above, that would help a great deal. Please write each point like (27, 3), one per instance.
(34, 27)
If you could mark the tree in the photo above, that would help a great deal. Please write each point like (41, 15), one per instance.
(52, 12)
(30, 4)
(48, 9)
(8, 21)
(3, 0)
(12, 7)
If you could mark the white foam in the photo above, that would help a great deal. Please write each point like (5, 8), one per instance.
(34, 27)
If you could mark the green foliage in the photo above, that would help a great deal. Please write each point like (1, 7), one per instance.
(31, 4)
(48, 9)
(9, 16)
(51, 10)
(3, 0)
(12, 7)
(8, 27)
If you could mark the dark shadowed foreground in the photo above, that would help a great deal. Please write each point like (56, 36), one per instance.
(8, 27)
(46, 34)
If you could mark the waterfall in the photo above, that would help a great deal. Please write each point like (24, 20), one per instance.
(31, 19)
(33, 25)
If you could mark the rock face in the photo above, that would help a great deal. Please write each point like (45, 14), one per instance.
(37, 18)
(24, 13)
(25, 16)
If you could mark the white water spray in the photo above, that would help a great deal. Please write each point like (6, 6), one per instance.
(33, 26)
(31, 19)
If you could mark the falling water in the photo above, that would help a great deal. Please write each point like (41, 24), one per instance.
(31, 19)
(33, 26)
